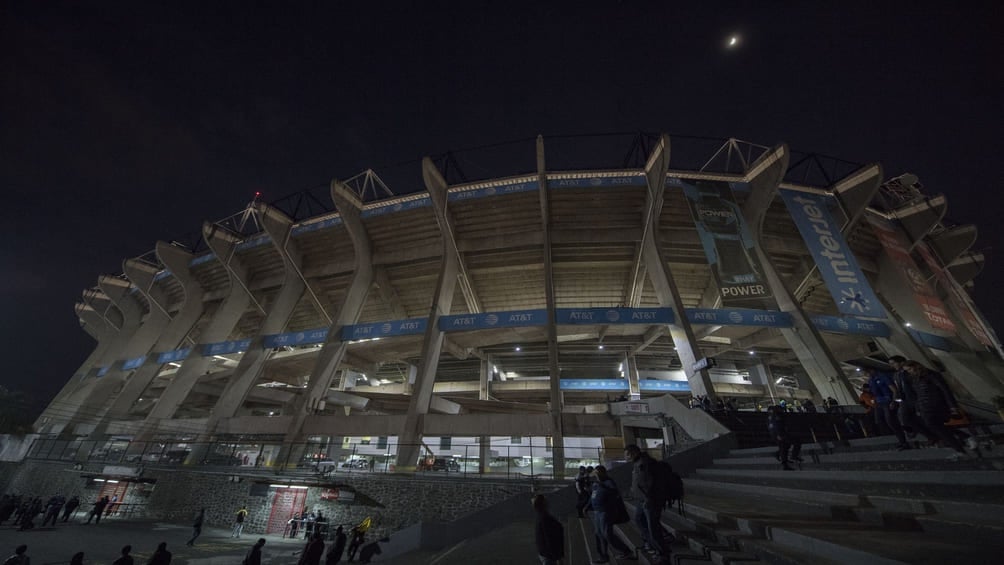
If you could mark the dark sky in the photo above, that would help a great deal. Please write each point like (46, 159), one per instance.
(124, 124)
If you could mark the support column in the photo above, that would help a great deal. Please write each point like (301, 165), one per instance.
(98, 398)
(278, 225)
(824, 370)
(51, 420)
(333, 352)
(634, 388)
(485, 442)
(143, 275)
(224, 319)
(557, 403)
(432, 344)
(687, 347)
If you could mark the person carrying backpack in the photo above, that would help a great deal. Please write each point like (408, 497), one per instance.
(650, 492)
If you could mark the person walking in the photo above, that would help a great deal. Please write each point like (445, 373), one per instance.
(935, 404)
(313, 551)
(126, 559)
(99, 508)
(549, 534)
(646, 488)
(70, 508)
(52, 509)
(20, 556)
(581, 492)
(239, 522)
(358, 537)
(337, 548)
(608, 509)
(254, 555)
(160, 557)
(882, 387)
(197, 527)
(777, 427)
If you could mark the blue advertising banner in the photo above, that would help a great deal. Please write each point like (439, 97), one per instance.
(296, 338)
(674, 386)
(525, 186)
(133, 363)
(848, 325)
(593, 384)
(837, 265)
(419, 202)
(727, 241)
(225, 347)
(317, 226)
(739, 317)
(103, 371)
(488, 320)
(256, 241)
(172, 356)
(411, 326)
(201, 259)
(617, 316)
(162, 275)
(590, 182)
(930, 340)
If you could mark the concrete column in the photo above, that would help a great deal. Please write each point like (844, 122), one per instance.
(824, 370)
(278, 225)
(224, 319)
(557, 403)
(333, 352)
(759, 373)
(94, 402)
(634, 388)
(484, 393)
(51, 420)
(142, 274)
(432, 344)
(682, 333)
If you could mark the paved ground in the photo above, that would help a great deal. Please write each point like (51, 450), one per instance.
(102, 544)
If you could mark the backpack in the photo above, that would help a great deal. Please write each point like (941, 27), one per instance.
(671, 485)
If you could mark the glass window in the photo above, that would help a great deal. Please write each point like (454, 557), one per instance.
(445, 442)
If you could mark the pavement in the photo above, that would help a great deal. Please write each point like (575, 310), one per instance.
(102, 543)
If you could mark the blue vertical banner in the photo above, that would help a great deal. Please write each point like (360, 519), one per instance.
(727, 241)
(837, 264)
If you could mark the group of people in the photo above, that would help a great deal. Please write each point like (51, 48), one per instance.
(25, 509)
(309, 522)
(160, 557)
(313, 552)
(911, 400)
(596, 491)
(721, 405)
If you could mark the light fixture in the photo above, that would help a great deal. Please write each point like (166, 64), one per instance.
(752, 352)
(278, 486)
(299, 487)
(907, 324)
(600, 346)
(495, 368)
(777, 382)
(858, 369)
(518, 348)
(111, 481)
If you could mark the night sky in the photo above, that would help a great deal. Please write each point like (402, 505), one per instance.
(124, 124)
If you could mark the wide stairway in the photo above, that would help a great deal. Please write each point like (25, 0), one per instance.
(859, 502)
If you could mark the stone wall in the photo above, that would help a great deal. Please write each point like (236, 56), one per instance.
(394, 502)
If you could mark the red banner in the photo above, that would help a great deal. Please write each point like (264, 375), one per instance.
(896, 247)
(958, 302)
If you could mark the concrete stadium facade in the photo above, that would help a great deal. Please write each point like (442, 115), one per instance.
(518, 307)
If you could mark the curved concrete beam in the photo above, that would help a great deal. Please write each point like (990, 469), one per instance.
(966, 267)
(918, 219)
(953, 242)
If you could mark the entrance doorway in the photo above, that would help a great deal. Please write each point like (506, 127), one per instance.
(116, 493)
(286, 503)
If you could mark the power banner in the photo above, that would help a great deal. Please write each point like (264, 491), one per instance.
(954, 296)
(727, 242)
(898, 250)
(837, 265)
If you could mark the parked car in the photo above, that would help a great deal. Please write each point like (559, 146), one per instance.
(443, 464)
(356, 464)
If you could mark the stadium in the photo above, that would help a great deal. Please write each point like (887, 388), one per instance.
(533, 317)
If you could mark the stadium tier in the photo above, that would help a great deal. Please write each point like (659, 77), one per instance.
(523, 305)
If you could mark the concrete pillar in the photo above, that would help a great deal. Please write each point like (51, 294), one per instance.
(333, 352)
(634, 387)
(822, 367)
(253, 361)
(93, 403)
(142, 274)
(484, 393)
(217, 329)
(51, 419)
(681, 331)
(557, 403)
(432, 344)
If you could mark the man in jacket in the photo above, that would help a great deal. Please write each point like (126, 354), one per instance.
(882, 387)
(935, 403)
(254, 555)
(651, 497)
(550, 535)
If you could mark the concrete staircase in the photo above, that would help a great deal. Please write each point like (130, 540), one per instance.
(861, 502)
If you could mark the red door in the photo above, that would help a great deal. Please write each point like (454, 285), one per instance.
(285, 503)
(116, 496)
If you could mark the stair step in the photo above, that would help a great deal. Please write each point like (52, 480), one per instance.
(578, 547)
(959, 478)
